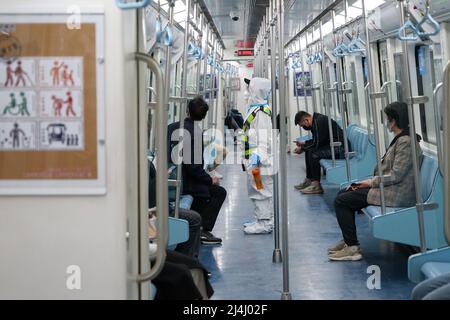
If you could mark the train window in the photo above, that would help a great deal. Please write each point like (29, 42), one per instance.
(398, 63)
(425, 87)
(354, 93)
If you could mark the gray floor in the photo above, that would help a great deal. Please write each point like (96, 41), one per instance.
(242, 267)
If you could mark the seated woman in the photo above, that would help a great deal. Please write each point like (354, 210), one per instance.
(399, 188)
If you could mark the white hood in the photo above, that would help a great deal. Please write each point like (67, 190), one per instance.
(259, 90)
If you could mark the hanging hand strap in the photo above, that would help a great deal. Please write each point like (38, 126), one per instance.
(132, 5)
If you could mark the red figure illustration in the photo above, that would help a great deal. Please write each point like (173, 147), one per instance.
(54, 72)
(9, 75)
(19, 74)
(57, 105)
(72, 83)
(67, 76)
(69, 103)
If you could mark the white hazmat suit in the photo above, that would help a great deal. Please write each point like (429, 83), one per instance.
(261, 151)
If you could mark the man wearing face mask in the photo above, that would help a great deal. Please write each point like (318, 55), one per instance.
(258, 155)
(317, 148)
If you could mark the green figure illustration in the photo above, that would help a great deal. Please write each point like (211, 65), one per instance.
(11, 107)
(24, 105)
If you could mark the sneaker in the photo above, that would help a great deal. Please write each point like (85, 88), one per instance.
(348, 253)
(303, 185)
(337, 247)
(313, 189)
(208, 238)
(259, 227)
(247, 224)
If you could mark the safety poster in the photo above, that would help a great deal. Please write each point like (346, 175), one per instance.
(41, 104)
(49, 101)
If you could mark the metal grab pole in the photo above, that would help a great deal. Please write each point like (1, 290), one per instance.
(167, 73)
(446, 117)
(211, 86)
(368, 113)
(286, 295)
(437, 120)
(161, 174)
(276, 256)
(412, 127)
(386, 102)
(311, 81)
(183, 104)
(340, 100)
(327, 101)
(205, 64)
(304, 74)
(371, 87)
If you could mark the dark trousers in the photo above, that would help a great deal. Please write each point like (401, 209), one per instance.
(192, 246)
(346, 204)
(209, 208)
(313, 157)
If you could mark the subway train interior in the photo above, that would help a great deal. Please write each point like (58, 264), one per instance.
(224, 150)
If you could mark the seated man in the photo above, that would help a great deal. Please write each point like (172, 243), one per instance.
(206, 190)
(399, 188)
(317, 148)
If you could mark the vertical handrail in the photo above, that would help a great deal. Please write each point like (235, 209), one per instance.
(161, 173)
(446, 111)
(372, 106)
(286, 295)
(167, 74)
(327, 101)
(183, 106)
(305, 90)
(368, 112)
(412, 126)
(386, 102)
(341, 101)
(437, 120)
(276, 256)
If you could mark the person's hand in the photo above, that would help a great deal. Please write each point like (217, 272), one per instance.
(298, 150)
(365, 184)
(216, 181)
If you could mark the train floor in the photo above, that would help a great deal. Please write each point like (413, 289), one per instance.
(242, 267)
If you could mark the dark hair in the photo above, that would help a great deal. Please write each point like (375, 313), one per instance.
(300, 116)
(198, 108)
(398, 111)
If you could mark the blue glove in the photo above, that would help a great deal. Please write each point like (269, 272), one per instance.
(254, 160)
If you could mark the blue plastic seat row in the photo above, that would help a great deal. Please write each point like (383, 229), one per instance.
(361, 164)
(401, 224)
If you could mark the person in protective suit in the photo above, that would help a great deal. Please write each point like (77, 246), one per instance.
(258, 153)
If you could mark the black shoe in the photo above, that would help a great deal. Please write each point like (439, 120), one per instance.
(208, 238)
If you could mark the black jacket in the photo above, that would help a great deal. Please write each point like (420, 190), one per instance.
(196, 181)
(321, 133)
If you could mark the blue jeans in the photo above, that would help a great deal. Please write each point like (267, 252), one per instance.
(433, 289)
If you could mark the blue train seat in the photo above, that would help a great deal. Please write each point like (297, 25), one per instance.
(361, 165)
(178, 232)
(401, 224)
(429, 264)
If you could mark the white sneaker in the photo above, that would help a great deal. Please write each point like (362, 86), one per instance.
(247, 224)
(259, 227)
